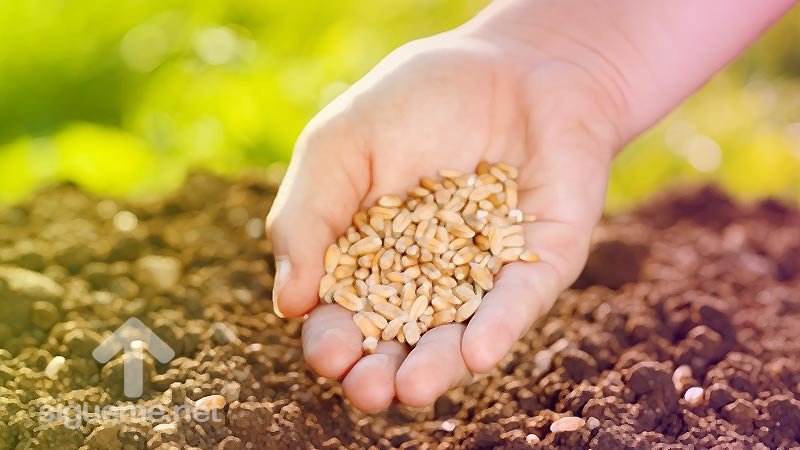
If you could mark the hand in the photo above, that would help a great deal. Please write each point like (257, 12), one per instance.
(444, 102)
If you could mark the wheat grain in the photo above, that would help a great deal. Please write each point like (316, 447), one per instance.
(411, 332)
(466, 310)
(681, 375)
(367, 327)
(210, 402)
(566, 424)
(407, 265)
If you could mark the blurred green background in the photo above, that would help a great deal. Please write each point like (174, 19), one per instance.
(125, 97)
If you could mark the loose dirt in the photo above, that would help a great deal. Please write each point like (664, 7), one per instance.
(690, 279)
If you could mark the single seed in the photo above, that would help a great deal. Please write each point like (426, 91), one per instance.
(54, 366)
(481, 275)
(332, 257)
(450, 217)
(390, 201)
(366, 245)
(515, 240)
(412, 272)
(445, 173)
(349, 300)
(362, 290)
(529, 256)
(377, 319)
(418, 192)
(443, 317)
(383, 212)
(411, 332)
(326, 284)
(424, 212)
(347, 260)
(431, 271)
(464, 292)
(418, 307)
(344, 272)
(210, 402)
(511, 195)
(383, 290)
(392, 329)
(510, 254)
(388, 310)
(401, 221)
(566, 424)
(466, 310)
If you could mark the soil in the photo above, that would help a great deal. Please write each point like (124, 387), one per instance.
(692, 278)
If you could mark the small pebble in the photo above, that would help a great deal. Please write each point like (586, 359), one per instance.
(211, 402)
(694, 396)
(54, 366)
(448, 426)
(592, 423)
(567, 424)
(532, 439)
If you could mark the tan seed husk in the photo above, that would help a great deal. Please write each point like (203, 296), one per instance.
(349, 300)
(392, 329)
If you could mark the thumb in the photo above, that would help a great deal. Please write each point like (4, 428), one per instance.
(314, 205)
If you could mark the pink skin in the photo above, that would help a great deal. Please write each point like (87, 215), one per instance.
(501, 88)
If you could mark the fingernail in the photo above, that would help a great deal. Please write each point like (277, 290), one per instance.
(283, 268)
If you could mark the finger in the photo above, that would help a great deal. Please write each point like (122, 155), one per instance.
(370, 383)
(433, 367)
(315, 203)
(523, 292)
(331, 341)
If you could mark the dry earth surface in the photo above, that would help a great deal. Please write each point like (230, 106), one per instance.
(690, 280)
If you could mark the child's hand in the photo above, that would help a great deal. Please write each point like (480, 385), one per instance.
(552, 87)
(445, 102)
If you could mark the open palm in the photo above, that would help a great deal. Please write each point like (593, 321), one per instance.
(445, 102)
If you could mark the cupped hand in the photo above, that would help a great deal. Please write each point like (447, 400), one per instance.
(450, 102)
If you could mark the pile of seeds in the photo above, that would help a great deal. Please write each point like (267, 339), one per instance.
(406, 266)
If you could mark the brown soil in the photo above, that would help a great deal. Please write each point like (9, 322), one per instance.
(691, 279)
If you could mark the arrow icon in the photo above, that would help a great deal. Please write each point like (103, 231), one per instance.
(133, 338)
